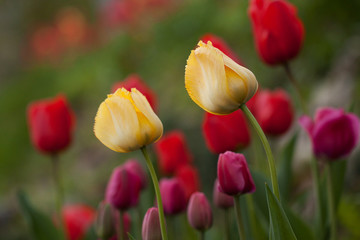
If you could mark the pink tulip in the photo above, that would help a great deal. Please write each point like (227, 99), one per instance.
(199, 212)
(173, 196)
(221, 200)
(151, 225)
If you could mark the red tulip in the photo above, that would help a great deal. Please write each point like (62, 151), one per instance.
(274, 111)
(135, 167)
(123, 189)
(334, 133)
(234, 175)
(134, 81)
(51, 124)
(225, 132)
(278, 31)
(173, 196)
(199, 212)
(221, 200)
(77, 220)
(220, 44)
(189, 177)
(172, 152)
(45, 43)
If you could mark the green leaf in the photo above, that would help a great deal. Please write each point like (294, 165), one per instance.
(285, 168)
(280, 225)
(41, 225)
(131, 237)
(90, 234)
(260, 194)
(301, 229)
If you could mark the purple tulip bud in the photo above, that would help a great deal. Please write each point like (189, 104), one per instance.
(173, 196)
(234, 175)
(135, 167)
(334, 134)
(123, 189)
(151, 225)
(221, 200)
(199, 212)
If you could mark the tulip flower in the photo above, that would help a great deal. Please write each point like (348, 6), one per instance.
(189, 177)
(126, 122)
(215, 82)
(135, 167)
(274, 111)
(234, 175)
(123, 189)
(45, 43)
(51, 124)
(278, 31)
(172, 152)
(173, 195)
(334, 133)
(151, 225)
(225, 132)
(77, 220)
(221, 200)
(104, 222)
(199, 212)
(135, 81)
(220, 44)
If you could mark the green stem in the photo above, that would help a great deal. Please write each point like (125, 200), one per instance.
(270, 157)
(251, 211)
(239, 218)
(157, 192)
(202, 235)
(56, 174)
(319, 209)
(331, 202)
(227, 224)
(297, 87)
(120, 226)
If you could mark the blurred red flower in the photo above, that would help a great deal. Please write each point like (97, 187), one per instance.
(45, 43)
(225, 132)
(77, 220)
(278, 31)
(189, 177)
(135, 81)
(51, 124)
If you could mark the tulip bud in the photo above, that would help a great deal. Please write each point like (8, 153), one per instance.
(226, 132)
(278, 31)
(189, 177)
(215, 82)
(220, 44)
(126, 122)
(234, 175)
(135, 81)
(274, 111)
(199, 212)
(77, 220)
(123, 189)
(221, 200)
(172, 152)
(173, 196)
(135, 167)
(334, 134)
(151, 225)
(51, 124)
(104, 222)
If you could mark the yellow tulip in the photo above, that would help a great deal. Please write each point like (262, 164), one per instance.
(126, 122)
(215, 82)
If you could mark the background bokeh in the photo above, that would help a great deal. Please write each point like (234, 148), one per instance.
(153, 42)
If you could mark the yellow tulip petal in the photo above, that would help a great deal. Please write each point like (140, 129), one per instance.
(205, 80)
(150, 124)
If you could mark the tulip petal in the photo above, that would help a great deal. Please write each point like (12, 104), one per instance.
(115, 115)
(204, 80)
(151, 126)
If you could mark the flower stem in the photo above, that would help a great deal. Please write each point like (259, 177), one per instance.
(331, 203)
(227, 224)
(270, 157)
(157, 192)
(239, 218)
(120, 226)
(297, 87)
(56, 174)
(319, 209)
(202, 235)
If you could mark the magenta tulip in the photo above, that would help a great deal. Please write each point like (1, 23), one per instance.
(135, 167)
(151, 225)
(173, 196)
(199, 212)
(221, 200)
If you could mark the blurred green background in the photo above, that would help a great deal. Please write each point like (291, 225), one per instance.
(155, 45)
